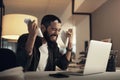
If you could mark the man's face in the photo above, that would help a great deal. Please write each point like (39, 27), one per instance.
(52, 31)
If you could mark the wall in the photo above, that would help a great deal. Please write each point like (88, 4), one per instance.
(82, 32)
(106, 24)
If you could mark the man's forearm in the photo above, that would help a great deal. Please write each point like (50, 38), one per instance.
(30, 44)
(69, 50)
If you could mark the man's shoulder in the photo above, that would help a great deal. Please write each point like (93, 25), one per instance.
(23, 36)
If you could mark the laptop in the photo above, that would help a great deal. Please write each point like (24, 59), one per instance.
(97, 58)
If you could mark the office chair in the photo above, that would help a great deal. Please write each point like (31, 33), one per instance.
(7, 59)
(111, 66)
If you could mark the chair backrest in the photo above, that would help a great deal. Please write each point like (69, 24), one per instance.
(7, 59)
(111, 66)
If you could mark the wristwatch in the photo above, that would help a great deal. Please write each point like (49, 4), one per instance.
(68, 49)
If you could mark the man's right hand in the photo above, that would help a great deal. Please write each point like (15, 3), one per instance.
(32, 28)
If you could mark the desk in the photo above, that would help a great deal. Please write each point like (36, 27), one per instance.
(45, 76)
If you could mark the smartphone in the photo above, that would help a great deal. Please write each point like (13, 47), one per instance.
(59, 75)
(39, 30)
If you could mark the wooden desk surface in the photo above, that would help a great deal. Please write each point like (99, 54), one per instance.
(45, 76)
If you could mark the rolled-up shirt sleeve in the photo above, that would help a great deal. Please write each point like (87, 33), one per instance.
(23, 59)
(61, 61)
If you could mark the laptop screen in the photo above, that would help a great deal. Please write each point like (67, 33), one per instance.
(97, 57)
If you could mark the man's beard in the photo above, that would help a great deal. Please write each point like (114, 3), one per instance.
(47, 37)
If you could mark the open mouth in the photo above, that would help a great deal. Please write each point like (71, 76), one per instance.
(53, 37)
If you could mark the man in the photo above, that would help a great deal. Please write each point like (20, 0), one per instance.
(35, 53)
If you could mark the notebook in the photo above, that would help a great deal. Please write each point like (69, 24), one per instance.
(97, 58)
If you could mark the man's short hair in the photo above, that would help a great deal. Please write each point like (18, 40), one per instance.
(47, 19)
